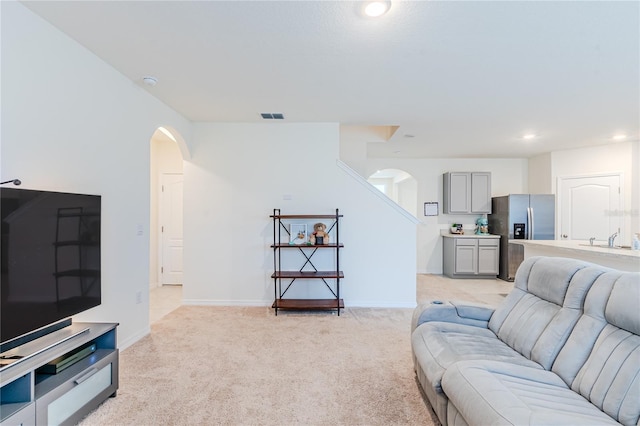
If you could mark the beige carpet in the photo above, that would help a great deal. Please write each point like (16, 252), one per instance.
(245, 366)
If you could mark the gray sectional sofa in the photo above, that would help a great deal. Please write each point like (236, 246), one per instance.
(563, 348)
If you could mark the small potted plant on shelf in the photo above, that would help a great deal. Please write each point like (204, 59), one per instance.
(456, 228)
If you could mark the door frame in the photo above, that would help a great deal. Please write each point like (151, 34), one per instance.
(559, 183)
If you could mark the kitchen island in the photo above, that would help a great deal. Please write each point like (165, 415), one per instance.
(622, 259)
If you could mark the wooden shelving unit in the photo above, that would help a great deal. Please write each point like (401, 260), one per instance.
(284, 279)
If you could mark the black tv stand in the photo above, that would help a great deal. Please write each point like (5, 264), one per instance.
(29, 395)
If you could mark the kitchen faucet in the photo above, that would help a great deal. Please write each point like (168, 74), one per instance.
(611, 238)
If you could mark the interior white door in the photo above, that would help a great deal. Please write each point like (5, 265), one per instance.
(171, 229)
(590, 207)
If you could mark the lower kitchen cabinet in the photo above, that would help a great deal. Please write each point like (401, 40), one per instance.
(472, 256)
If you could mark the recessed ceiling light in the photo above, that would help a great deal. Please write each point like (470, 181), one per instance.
(529, 136)
(377, 8)
(619, 137)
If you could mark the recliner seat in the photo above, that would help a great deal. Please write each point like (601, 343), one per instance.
(464, 352)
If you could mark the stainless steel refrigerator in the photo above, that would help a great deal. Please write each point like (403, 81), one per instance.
(520, 216)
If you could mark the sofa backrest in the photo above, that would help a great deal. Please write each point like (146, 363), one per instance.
(538, 315)
(601, 358)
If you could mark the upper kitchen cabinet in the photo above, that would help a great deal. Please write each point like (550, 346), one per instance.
(467, 192)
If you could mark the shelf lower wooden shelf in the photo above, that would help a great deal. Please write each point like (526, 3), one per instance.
(308, 304)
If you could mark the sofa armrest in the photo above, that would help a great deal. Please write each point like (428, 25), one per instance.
(452, 311)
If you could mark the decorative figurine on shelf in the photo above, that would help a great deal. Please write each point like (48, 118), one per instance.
(482, 226)
(319, 236)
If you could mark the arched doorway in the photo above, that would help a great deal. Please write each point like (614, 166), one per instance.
(165, 228)
(399, 186)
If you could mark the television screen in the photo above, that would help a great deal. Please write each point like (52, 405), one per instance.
(50, 258)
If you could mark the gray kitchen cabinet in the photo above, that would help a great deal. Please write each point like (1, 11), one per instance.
(467, 192)
(465, 256)
(471, 256)
(488, 256)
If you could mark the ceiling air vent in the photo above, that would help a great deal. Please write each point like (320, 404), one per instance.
(272, 115)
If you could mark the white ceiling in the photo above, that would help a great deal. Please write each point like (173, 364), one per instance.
(465, 78)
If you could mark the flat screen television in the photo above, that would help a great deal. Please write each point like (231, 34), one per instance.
(50, 260)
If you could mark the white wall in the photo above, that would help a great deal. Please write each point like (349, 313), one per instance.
(618, 158)
(507, 176)
(635, 188)
(407, 193)
(353, 145)
(72, 123)
(540, 176)
(239, 173)
(535, 175)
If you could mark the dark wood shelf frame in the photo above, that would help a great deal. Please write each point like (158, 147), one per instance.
(305, 216)
(301, 246)
(308, 304)
(308, 274)
(283, 280)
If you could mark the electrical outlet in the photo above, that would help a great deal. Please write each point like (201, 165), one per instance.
(138, 297)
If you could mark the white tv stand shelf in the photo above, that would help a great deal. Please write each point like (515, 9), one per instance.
(31, 397)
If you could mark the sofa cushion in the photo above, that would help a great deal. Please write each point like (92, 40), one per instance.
(610, 377)
(498, 393)
(601, 358)
(622, 306)
(451, 311)
(583, 337)
(437, 345)
(454, 418)
(546, 301)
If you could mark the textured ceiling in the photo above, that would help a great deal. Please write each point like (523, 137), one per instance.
(463, 78)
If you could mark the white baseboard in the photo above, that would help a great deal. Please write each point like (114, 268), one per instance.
(209, 302)
(376, 304)
(122, 345)
(426, 271)
(348, 303)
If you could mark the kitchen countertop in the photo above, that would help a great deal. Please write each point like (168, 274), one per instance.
(582, 246)
(617, 258)
(445, 233)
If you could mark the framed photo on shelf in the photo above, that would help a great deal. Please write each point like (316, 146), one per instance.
(298, 233)
(431, 208)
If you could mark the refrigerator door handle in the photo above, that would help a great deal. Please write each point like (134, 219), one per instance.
(530, 220)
